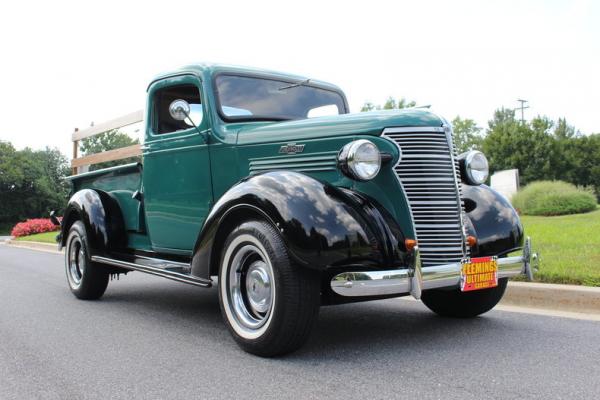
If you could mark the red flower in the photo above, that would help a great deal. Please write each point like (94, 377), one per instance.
(31, 226)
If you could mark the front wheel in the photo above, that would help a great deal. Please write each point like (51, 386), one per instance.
(454, 303)
(87, 280)
(268, 303)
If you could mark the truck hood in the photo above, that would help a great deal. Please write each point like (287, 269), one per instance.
(364, 123)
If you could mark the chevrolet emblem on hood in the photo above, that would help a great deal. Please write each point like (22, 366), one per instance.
(291, 148)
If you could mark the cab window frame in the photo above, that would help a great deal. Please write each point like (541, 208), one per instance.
(284, 80)
(153, 115)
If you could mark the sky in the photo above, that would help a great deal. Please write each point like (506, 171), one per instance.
(65, 64)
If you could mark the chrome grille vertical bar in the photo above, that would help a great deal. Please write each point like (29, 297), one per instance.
(429, 175)
(457, 180)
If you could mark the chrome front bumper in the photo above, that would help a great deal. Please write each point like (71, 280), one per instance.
(414, 281)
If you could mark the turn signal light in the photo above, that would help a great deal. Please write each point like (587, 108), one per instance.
(410, 244)
(471, 241)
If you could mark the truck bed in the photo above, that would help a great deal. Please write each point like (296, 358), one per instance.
(121, 182)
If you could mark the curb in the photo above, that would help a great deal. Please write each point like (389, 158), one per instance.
(53, 248)
(547, 296)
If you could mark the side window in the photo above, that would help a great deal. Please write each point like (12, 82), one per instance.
(163, 122)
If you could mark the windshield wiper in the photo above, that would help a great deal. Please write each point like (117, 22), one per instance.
(293, 85)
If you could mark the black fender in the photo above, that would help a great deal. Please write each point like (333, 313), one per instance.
(492, 220)
(102, 218)
(323, 226)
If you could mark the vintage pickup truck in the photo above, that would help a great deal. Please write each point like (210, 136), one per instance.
(264, 184)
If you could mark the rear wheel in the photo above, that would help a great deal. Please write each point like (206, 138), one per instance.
(268, 303)
(454, 303)
(87, 280)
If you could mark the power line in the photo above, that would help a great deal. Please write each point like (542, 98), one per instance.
(522, 107)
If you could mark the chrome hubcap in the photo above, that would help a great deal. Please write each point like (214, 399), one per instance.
(76, 261)
(258, 287)
(249, 285)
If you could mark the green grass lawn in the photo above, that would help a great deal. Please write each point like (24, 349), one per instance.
(46, 237)
(569, 247)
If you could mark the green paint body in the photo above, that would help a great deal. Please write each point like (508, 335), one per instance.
(186, 172)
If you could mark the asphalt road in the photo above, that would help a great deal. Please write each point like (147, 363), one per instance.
(152, 338)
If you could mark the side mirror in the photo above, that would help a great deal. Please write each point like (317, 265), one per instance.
(54, 219)
(179, 110)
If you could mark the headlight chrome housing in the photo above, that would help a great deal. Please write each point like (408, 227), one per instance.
(475, 167)
(360, 160)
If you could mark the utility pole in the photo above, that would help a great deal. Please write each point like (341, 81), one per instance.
(523, 107)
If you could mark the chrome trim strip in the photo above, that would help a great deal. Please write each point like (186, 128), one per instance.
(415, 129)
(192, 280)
(450, 138)
(408, 281)
(163, 264)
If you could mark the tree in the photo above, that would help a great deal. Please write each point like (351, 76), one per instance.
(565, 131)
(529, 147)
(110, 140)
(467, 135)
(368, 106)
(390, 104)
(31, 182)
(580, 161)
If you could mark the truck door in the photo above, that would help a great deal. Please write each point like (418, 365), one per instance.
(176, 177)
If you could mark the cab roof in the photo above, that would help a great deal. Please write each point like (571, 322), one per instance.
(209, 70)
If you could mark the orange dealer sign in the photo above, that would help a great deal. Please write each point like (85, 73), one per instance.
(479, 273)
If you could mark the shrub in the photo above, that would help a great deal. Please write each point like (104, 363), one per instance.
(31, 226)
(553, 198)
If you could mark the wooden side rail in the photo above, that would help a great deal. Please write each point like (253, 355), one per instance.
(130, 151)
(111, 155)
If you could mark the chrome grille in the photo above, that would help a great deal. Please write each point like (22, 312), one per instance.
(429, 173)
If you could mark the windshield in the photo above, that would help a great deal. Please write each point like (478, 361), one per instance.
(250, 98)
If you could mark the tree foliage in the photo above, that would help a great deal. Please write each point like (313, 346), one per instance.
(543, 150)
(390, 104)
(31, 182)
(467, 135)
(113, 139)
(529, 147)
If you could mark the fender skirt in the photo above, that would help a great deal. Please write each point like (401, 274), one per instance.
(102, 218)
(492, 220)
(323, 226)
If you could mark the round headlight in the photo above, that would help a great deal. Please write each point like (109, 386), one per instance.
(360, 160)
(476, 167)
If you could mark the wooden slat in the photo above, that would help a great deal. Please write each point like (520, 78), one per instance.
(75, 146)
(125, 120)
(111, 155)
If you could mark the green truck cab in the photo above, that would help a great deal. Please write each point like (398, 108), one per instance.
(264, 185)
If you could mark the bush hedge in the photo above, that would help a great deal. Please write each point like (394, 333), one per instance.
(553, 198)
(31, 226)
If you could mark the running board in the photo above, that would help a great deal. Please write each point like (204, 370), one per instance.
(165, 273)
